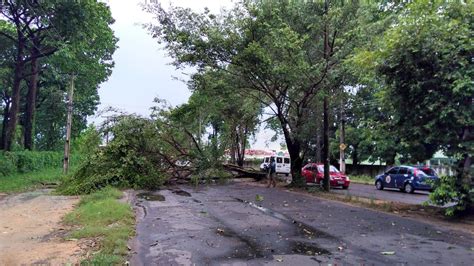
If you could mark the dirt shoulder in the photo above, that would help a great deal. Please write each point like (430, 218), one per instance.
(31, 230)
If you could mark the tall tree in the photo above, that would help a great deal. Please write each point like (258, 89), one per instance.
(218, 93)
(425, 66)
(44, 28)
(277, 48)
(7, 59)
(30, 34)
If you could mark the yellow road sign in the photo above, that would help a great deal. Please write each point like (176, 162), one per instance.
(342, 146)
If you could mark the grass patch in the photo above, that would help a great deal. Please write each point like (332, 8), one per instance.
(21, 182)
(356, 200)
(100, 215)
(362, 179)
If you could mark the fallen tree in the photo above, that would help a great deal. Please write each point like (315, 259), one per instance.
(240, 172)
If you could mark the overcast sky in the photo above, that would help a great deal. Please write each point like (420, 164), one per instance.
(142, 71)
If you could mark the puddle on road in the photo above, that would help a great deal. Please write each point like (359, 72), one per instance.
(309, 249)
(293, 245)
(310, 232)
(303, 229)
(254, 249)
(181, 193)
(149, 196)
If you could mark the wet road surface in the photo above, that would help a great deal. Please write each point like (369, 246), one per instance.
(231, 225)
(369, 191)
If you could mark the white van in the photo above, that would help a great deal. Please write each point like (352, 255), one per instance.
(283, 164)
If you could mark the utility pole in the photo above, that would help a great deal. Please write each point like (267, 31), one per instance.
(326, 185)
(67, 144)
(342, 145)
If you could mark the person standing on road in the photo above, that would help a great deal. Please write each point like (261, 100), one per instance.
(271, 173)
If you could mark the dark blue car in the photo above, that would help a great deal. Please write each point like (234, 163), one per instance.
(407, 178)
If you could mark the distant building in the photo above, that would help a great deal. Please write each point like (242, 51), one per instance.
(257, 154)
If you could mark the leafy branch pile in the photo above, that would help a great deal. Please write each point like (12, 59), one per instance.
(145, 153)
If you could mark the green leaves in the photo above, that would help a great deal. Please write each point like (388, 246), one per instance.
(422, 67)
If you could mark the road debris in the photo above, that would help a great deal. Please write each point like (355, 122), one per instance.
(387, 253)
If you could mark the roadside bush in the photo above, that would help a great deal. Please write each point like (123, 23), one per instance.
(28, 161)
(88, 142)
(449, 190)
(8, 163)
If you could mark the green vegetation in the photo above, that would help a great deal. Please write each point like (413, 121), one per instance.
(421, 71)
(28, 161)
(362, 179)
(147, 152)
(24, 170)
(129, 160)
(397, 75)
(286, 55)
(22, 182)
(100, 215)
(41, 44)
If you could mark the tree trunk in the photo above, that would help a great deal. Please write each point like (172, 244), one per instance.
(237, 146)
(464, 177)
(15, 105)
(296, 163)
(242, 143)
(355, 156)
(4, 123)
(233, 149)
(294, 149)
(31, 102)
(326, 184)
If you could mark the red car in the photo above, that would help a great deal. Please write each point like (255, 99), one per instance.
(314, 173)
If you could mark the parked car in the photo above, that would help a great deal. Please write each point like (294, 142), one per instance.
(407, 178)
(283, 164)
(314, 173)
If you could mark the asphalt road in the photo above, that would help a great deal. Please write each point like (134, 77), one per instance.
(395, 195)
(231, 225)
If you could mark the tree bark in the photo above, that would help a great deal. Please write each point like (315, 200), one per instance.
(241, 145)
(15, 105)
(31, 101)
(233, 147)
(464, 172)
(355, 156)
(294, 149)
(6, 110)
(326, 184)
